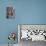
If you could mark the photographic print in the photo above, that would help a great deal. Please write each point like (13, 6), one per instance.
(10, 12)
(31, 33)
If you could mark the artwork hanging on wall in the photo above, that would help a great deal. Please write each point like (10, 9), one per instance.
(10, 12)
(32, 32)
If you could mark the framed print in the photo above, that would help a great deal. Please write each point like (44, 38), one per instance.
(28, 33)
(10, 12)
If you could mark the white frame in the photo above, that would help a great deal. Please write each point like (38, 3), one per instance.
(19, 31)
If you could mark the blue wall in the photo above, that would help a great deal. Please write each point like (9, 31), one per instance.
(27, 12)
